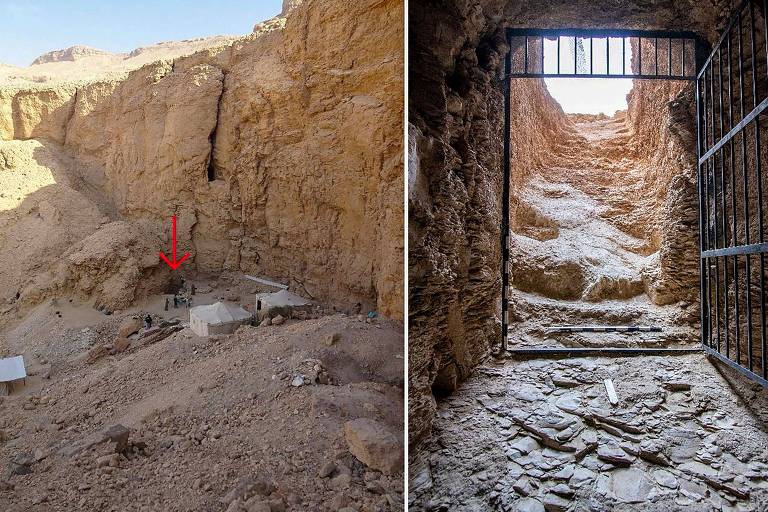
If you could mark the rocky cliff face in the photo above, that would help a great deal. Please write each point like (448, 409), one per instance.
(456, 49)
(662, 119)
(280, 154)
(72, 53)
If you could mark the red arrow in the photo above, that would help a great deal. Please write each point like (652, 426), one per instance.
(173, 264)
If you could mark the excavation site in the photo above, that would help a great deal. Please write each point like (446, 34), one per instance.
(201, 270)
(587, 308)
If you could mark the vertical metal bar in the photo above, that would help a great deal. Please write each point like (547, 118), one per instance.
(607, 55)
(712, 241)
(703, 293)
(753, 51)
(669, 56)
(745, 190)
(730, 92)
(526, 55)
(639, 55)
(682, 57)
(720, 86)
(759, 191)
(734, 212)
(558, 55)
(575, 57)
(591, 58)
(623, 55)
(715, 137)
(723, 210)
(705, 202)
(717, 259)
(711, 180)
(505, 197)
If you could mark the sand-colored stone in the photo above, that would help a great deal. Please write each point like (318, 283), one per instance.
(302, 136)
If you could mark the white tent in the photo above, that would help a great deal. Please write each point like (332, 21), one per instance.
(12, 370)
(219, 318)
(281, 299)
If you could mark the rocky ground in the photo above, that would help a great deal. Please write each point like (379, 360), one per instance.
(306, 415)
(542, 435)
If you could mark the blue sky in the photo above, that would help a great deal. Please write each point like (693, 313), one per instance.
(587, 95)
(33, 27)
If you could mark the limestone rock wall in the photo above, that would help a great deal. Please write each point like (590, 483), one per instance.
(57, 240)
(454, 196)
(661, 116)
(281, 154)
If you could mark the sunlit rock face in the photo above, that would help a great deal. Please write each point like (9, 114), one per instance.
(279, 152)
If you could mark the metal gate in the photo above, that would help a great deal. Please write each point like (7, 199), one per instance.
(731, 95)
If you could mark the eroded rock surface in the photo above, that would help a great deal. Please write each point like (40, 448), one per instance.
(597, 251)
(279, 152)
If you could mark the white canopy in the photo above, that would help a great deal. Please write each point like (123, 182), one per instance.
(284, 298)
(220, 313)
(12, 368)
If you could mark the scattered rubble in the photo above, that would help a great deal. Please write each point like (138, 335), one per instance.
(150, 413)
(511, 439)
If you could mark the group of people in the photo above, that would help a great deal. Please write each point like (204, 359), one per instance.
(178, 300)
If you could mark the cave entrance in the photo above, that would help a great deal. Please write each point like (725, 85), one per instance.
(589, 54)
(731, 90)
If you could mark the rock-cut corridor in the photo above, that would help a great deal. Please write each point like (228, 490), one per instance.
(542, 434)
(583, 250)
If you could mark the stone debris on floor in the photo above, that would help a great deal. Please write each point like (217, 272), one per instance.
(542, 435)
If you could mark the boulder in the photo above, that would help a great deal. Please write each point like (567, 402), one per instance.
(118, 434)
(121, 345)
(129, 326)
(96, 353)
(374, 445)
(331, 339)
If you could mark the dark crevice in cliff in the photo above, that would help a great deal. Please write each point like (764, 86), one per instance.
(212, 174)
(71, 113)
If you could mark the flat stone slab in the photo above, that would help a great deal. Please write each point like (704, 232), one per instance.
(614, 454)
